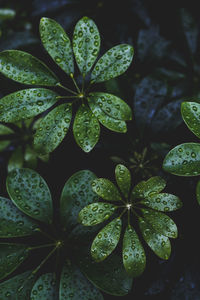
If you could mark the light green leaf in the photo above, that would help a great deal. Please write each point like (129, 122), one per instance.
(11, 256)
(25, 68)
(86, 128)
(159, 243)
(76, 194)
(123, 178)
(30, 193)
(30, 157)
(113, 63)
(163, 202)
(134, 258)
(106, 240)
(73, 285)
(191, 116)
(106, 189)
(13, 222)
(57, 44)
(44, 288)
(183, 160)
(25, 104)
(16, 160)
(86, 44)
(52, 129)
(111, 105)
(96, 213)
(198, 192)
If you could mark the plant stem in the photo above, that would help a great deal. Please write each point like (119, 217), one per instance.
(74, 81)
(41, 246)
(83, 83)
(123, 212)
(65, 97)
(129, 217)
(44, 260)
(65, 88)
(46, 234)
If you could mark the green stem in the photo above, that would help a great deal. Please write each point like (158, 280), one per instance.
(83, 84)
(65, 88)
(46, 234)
(74, 81)
(66, 97)
(41, 246)
(129, 217)
(123, 212)
(44, 260)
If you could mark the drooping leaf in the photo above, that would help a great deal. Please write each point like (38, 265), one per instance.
(11, 256)
(96, 213)
(57, 44)
(24, 68)
(123, 178)
(30, 157)
(30, 193)
(111, 105)
(73, 285)
(106, 189)
(16, 160)
(183, 160)
(191, 113)
(134, 258)
(44, 287)
(25, 104)
(159, 243)
(52, 129)
(5, 130)
(86, 128)
(163, 202)
(113, 63)
(198, 192)
(13, 222)
(76, 194)
(86, 44)
(106, 240)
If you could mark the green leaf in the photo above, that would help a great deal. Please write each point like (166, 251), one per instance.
(191, 116)
(86, 128)
(76, 194)
(44, 288)
(73, 285)
(106, 189)
(163, 202)
(105, 119)
(25, 68)
(86, 44)
(134, 258)
(96, 213)
(161, 223)
(11, 256)
(113, 63)
(13, 222)
(25, 104)
(30, 193)
(106, 240)
(57, 44)
(198, 192)
(183, 160)
(52, 129)
(123, 178)
(30, 157)
(159, 243)
(5, 130)
(111, 105)
(16, 160)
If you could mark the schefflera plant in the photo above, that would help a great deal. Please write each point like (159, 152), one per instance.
(94, 108)
(146, 203)
(29, 223)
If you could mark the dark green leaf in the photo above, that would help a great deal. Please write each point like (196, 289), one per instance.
(163, 202)
(113, 63)
(86, 44)
(30, 194)
(30, 158)
(146, 189)
(106, 189)
(16, 160)
(86, 128)
(44, 288)
(134, 258)
(96, 213)
(123, 178)
(52, 129)
(25, 104)
(25, 68)
(183, 160)
(57, 44)
(191, 115)
(106, 240)
(4, 130)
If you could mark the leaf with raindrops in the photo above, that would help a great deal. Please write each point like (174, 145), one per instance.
(123, 178)
(191, 113)
(163, 202)
(5, 131)
(44, 287)
(16, 160)
(106, 189)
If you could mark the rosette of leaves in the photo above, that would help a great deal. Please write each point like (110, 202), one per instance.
(146, 203)
(94, 107)
(29, 224)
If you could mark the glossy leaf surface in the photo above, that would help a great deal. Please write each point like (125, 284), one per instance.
(123, 178)
(106, 189)
(148, 188)
(163, 202)
(44, 288)
(191, 113)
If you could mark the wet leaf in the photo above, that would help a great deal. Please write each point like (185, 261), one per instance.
(191, 113)
(163, 202)
(30, 193)
(198, 192)
(183, 160)
(25, 68)
(57, 44)
(146, 189)
(134, 258)
(123, 178)
(25, 104)
(44, 287)
(86, 44)
(52, 129)
(96, 213)
(106, 240)
(113, 63)
(106, 189)
(86, 128)
(16, 160)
